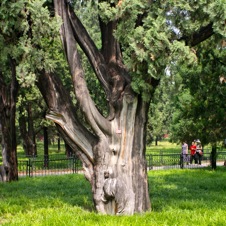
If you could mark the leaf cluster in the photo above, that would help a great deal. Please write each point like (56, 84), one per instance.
(30, 36)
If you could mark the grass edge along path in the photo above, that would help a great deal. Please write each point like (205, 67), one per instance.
(179, 197)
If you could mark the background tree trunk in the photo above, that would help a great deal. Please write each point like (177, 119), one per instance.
(68, 151)
(46, 147)
(31, 133)
(214, 157)
(8, 117)
(27, 131)
(58, 142)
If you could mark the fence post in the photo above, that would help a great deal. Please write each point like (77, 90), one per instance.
(46, 161)
(147, 157)
(181, 161)
(29, 167)
(74, 164)
(151, 161)
(161, 157)
(214, 157)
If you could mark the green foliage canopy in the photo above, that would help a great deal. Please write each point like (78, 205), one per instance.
(158, 41)
(200, 104)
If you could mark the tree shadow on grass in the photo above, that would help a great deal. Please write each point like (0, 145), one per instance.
(49, 191)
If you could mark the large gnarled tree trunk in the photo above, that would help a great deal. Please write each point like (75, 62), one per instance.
(113, 148)
(113, 154)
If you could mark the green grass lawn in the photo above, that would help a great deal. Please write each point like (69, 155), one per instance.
(179, 197)
(163, 146)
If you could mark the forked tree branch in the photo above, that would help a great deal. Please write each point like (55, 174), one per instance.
(88, 46)
(61, 109)
(98, 123)
(198, 36)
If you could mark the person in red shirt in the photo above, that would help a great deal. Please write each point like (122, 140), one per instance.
(193, 153)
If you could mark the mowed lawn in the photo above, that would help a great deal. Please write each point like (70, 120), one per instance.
(179, 197)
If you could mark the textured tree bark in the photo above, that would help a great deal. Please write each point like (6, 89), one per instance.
(125, 188)
(8, 95)
(4, 173)
(116, 168)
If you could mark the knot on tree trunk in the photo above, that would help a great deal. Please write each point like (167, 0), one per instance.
(4, 173)
(116, 190)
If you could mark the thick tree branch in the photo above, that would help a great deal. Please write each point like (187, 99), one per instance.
(73, 133)
(98, 123)
(87, 164)
(61, 110)
(120, 78)
(88, 46)
(110, 46)
(199, 36)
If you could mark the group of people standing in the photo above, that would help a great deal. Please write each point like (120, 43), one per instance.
(196, 152)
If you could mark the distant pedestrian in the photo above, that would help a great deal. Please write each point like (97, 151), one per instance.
(184, 152)
(193, 153)
(199, 151)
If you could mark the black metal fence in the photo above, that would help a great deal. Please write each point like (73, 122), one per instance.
(47, 165)
(170, 161)
(61, 164)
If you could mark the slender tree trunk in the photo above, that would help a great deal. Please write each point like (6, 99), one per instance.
(68, 150)
(46, 147)
(214, 157)
(8, 118)
(31, 133)
(27, 131)
(156, 141)
(58, 142)
(23, 131)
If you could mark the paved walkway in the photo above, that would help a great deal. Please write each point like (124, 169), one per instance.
(190, 166)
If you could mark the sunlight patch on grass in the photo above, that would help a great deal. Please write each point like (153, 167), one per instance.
(163, 147)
